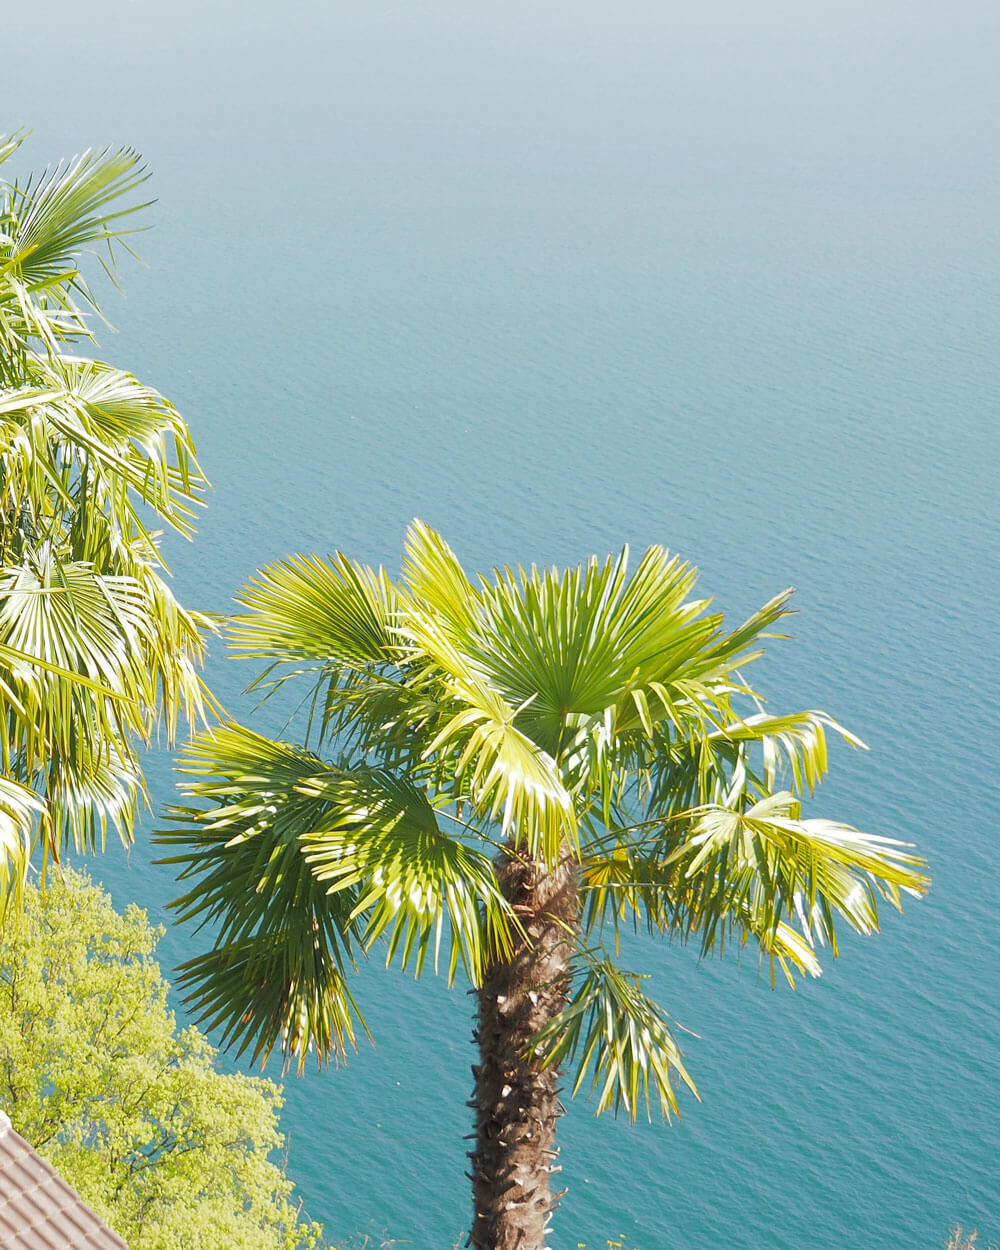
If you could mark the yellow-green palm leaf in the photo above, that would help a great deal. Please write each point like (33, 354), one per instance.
(94, 649)
(588, 720)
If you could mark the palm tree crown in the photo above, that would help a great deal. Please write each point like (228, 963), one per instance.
(495, 775)
(94, 648)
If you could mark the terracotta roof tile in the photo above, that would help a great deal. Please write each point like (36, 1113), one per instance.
(38, 1210)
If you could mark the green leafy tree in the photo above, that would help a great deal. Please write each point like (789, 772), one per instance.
(95, 651)
(519, 766)
(170, 1152)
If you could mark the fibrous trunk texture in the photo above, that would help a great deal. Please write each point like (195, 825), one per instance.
(516, 1101)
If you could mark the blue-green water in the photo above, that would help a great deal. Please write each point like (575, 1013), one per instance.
(557, 281)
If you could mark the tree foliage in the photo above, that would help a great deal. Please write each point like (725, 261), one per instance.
(586, 712)
(172, 1153)
(497, 775)
(95, 651)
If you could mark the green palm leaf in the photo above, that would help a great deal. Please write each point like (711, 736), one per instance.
(21, 811)
(9, 144)
(507, 778)
(796, 743)
(613, 1032)
(307, 609)
(67, 210)
(283, 944)
(384, 843)
(770, 863)
(95, 652)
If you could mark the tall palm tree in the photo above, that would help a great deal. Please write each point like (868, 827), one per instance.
(95, 651)
(519, 766)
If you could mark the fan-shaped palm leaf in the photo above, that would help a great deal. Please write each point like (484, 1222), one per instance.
(384, 842)
(94, 649)
(283, 944)
(66, 209)
(611, 1031)
(21, 812)
(771, 863)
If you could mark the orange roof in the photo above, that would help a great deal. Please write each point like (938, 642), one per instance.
(38, 1210)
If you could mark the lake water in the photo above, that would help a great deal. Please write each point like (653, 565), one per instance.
(553, 282)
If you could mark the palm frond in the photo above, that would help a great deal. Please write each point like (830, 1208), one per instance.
(89, 655)
(95, 652)
(333, 621)
(331, 612)
(507, 778)
(506, 775)
(615, 1034)
(383, 842)
(87, 790)
(21, 813)
(283, 944)
(435, 582)
(623, 885)
(734, 647)
(66, 210)
(10, 143)
(794, 742)
(131, 433)
(629, 886)
(771, 866)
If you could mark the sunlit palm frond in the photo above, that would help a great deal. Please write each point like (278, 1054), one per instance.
(333, 620)
(624, 886)
(415, 884)
(691, 672)
(506, 778)
(545, 642)
(796, 743)
(615, 1034)
(97, 655)
(328, 612)
(81, 700)
(435, 584)
(131, 434)
(567, 647)
(10, 143)
(22, 813)
(69, 208)
(743, 644)
(95, 652)
(47, 222)
(782, 945)
(60, 613)
(171, 640)
(88, 449)
(87, 790)
(26, 396)
(770, 864)
(283, 943)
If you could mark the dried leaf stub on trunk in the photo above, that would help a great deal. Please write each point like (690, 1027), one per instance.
(517, 1098)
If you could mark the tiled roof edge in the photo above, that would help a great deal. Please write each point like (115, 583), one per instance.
(47, 1212)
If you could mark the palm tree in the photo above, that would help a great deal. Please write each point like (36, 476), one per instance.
(520, 766)
(95, 651)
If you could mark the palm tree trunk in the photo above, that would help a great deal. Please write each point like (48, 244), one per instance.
(516, 1101)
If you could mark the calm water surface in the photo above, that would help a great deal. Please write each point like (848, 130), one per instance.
(554, 283)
